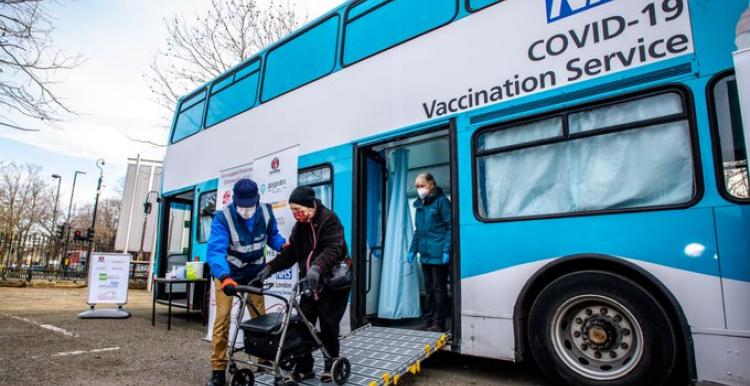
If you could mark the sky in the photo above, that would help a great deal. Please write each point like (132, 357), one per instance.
(118, 39)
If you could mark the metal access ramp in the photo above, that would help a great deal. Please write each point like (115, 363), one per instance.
(380, 356)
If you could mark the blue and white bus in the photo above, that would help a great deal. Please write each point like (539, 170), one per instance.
(592, 150)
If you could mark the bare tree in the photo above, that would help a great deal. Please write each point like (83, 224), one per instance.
(29, 63)
(26, 205)
(200, 49)
(107, 217)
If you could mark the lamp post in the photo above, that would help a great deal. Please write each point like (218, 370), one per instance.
(90, 233)
(54, 217)
(67, 224)
(146, 211)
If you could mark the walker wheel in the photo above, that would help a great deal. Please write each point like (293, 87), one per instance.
(287, 365)
(243, 377)
(341, 370)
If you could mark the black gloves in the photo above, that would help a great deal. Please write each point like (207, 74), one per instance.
(313, 277)
(229, 286)
(264, 274)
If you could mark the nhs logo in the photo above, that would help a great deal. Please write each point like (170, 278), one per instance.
(560, 9)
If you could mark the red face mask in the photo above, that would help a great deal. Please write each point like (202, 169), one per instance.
(304, 215)
(301, 216)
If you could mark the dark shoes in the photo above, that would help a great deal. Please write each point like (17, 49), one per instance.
(300, 376)
(218, 378)
(325, 376)
(435, 328)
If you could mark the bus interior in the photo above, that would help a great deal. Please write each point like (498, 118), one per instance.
(394, 292)
(177, 236)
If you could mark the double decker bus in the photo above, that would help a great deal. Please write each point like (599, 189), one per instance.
(592, 150)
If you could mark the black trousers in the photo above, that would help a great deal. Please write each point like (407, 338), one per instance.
(436, 286)
(328, 310)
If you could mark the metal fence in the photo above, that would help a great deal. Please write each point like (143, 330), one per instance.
(39, 257)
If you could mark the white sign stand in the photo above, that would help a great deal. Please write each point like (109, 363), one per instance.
(108, 284)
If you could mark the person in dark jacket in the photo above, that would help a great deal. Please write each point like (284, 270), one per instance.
(317, 245)
(432, 241)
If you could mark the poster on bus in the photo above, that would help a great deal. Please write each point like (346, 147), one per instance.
(276, 176)
(227, 179)
(108, 278)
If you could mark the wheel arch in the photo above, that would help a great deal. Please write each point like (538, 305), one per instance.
(593, 261)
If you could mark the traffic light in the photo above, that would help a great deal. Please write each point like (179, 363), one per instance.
(89, 234)
(78, 235)
(60, 233)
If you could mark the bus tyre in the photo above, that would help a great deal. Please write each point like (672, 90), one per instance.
(596, 328)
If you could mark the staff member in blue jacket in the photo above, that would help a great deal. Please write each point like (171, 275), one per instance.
(432, 240)
(236, 254)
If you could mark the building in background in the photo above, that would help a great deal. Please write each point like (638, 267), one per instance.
(136, 230)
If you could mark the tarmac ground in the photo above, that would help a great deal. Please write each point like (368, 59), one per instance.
(42, 342)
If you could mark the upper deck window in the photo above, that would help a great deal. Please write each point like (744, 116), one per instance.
(376, 25)
(190, 117)
(475, 5)
(233, 94)
(301, 59)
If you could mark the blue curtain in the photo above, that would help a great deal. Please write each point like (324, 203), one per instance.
(399, 286)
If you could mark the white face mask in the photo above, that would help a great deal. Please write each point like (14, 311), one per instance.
(423, 192)
(246, 213)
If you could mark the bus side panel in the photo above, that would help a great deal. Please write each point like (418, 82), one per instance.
(678, 247)
(732, 224)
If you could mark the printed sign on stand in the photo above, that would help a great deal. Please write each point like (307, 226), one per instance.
(107, 284)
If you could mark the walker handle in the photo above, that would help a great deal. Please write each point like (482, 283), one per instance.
(249, 289)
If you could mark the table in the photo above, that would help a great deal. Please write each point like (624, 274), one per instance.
(203, 282)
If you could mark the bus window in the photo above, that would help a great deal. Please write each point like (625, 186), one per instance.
(732, 156)
(376, 25)
(304, 58)
(233, 94)
(520, 134)
(476, 5)
(654, 107)
(206, 208)
(644, 159)
(190, 117)
(319, 178)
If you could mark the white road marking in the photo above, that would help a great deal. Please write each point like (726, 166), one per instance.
(47, 326)
(79, 352)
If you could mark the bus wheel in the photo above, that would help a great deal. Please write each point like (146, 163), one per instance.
(598, 328)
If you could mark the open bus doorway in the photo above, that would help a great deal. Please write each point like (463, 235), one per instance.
(390, 291)
(175, 248)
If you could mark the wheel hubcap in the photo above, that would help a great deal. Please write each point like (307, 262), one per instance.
(597, 337)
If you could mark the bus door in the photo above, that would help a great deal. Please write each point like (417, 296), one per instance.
(175, 242)
(374, 213)
(389, 290)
